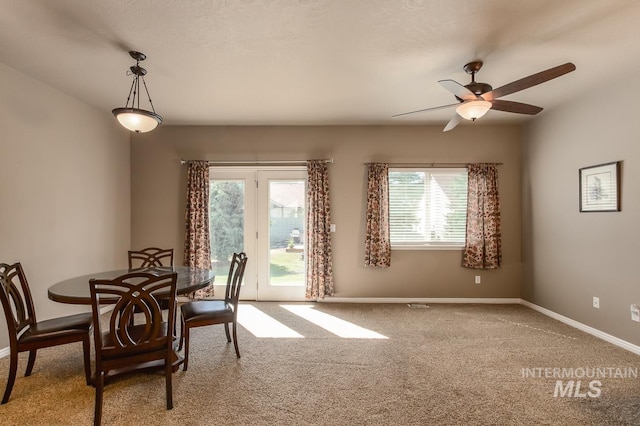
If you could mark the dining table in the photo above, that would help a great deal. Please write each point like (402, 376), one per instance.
(76, 290)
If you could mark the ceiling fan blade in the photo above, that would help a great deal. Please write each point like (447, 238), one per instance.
(452, 123)
(458, 89)
(526, 82)
(426, 109)
(517, 107)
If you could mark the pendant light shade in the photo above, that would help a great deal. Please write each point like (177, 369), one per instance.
(131, 116)
(137, 120)
(473, 109)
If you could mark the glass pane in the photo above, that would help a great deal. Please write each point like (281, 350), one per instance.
(286, 232)
(226, 224)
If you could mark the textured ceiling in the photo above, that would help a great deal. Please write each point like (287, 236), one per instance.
(250, 62)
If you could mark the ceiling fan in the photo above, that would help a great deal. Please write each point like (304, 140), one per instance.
(475, 98)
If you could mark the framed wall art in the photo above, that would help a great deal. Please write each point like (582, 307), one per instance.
(600, 188)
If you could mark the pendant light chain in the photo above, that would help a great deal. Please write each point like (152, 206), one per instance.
(131, 90)
(148, 95)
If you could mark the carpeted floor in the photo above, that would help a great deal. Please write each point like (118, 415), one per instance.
(440, 365)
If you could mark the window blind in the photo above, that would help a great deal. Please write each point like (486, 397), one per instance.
(427, 206)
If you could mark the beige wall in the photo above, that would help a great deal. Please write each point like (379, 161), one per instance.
(158, 181)
(570, 257)
(64, 186)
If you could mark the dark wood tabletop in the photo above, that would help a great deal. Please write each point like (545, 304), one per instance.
(76, 290)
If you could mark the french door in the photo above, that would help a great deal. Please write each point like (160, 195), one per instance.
(260, 211)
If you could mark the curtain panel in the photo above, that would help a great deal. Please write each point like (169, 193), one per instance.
(318, 236)
(377, 250)
(483, 246)
(197, 246)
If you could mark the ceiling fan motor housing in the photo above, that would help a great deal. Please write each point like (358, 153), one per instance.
(477, 88)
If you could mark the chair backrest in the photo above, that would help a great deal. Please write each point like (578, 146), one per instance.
(16, 300)
(150, 257)
(234, 279)
(131, 293)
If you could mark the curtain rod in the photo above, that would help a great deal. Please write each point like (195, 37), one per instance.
(435, 165)
(256, 162)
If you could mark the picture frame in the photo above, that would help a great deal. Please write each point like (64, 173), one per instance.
(600, 187)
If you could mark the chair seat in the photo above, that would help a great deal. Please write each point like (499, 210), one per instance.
(69, 325)
(205, 309)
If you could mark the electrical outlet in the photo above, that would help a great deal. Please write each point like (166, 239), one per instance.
(635, 313)
(478, 279)
(596, 302)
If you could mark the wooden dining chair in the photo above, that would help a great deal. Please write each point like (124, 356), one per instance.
(122, 347)
(27, 334)
(200, 313)
(150, 257)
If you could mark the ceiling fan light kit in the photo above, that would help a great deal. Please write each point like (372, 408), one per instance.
(476, 99)
(473, 109)
(131, 116)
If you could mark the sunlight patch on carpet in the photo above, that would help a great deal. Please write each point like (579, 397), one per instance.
(262, 325)
(337, 326)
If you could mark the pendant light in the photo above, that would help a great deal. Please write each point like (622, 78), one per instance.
(131, 116)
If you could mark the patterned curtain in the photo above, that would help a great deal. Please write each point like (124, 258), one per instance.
(197, 247)
(483, 247)
(318, 237)
(377, 250)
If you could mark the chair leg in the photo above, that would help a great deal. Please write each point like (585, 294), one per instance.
(177, 314)
(168, 373)
(97, 415)
(86, 348)
(31, 363)
(181, 334)
(185, 365)
(235, 339)
(226, 330)
(13, 369)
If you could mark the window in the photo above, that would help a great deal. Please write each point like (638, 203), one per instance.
(427, 207)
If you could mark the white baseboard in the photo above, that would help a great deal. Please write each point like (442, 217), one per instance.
(5, 352)
(587, 329)
(467, 300)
